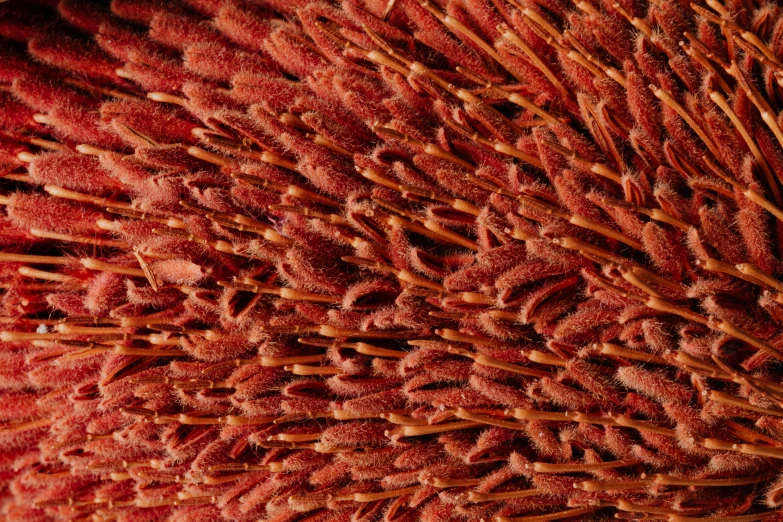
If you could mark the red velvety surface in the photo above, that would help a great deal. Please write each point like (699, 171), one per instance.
(473, 260)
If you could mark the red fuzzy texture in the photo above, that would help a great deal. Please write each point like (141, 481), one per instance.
(401, 261)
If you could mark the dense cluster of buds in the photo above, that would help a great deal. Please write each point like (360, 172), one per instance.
(404, 260)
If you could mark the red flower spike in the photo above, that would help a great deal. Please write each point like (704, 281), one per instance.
(390, 260)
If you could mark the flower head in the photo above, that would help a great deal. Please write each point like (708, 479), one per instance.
(368, 260)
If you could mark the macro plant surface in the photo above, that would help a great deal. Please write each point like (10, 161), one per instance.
(290, 260)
